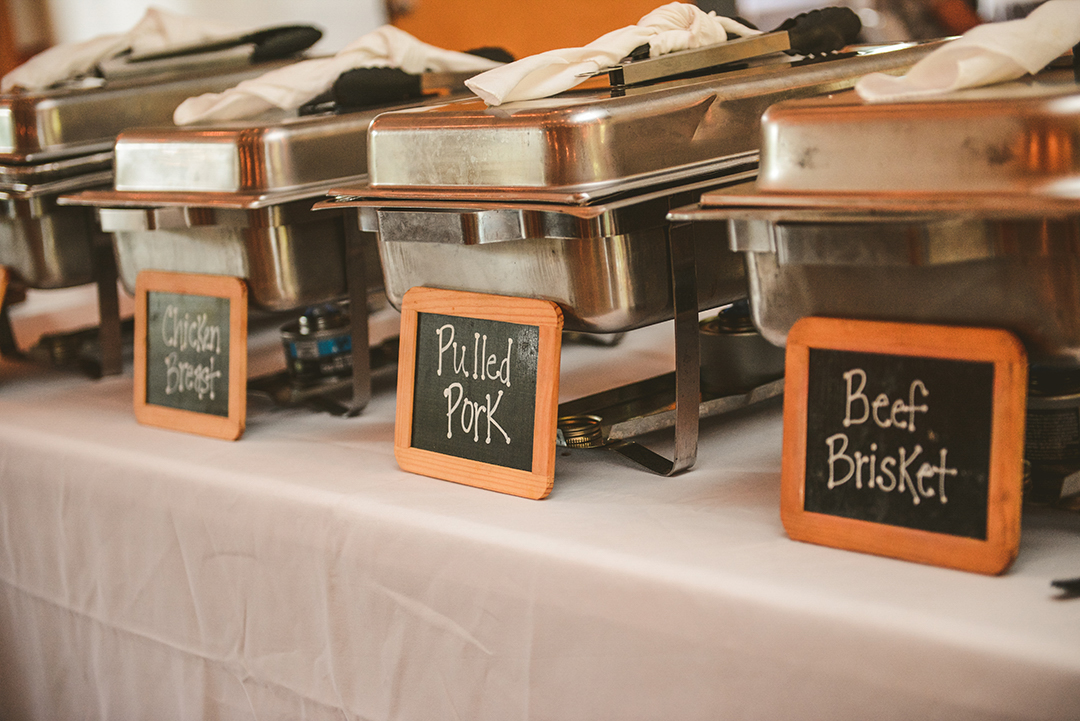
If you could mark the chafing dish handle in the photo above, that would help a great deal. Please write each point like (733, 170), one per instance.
(821, 31)
(270, 44)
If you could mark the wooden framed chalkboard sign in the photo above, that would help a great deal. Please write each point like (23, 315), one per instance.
(191, 353)
(905, 440)
(478, 387)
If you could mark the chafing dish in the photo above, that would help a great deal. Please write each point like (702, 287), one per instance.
(235, 198)
(960, 210)
(963, 210)
(60, 141)
(565, 198)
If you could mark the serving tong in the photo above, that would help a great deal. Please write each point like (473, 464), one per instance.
(817, 32)
(275, 43)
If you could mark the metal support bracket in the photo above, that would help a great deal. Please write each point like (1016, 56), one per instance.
(356, 279)
(109, 330)
(687, 362)
(9, 348)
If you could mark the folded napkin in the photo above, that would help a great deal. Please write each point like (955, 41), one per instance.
(671, 27)
(290, 87)
(158, 31)
(984, 55)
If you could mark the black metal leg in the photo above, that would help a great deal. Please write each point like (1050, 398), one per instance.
(109, 336)
(687, 362)
(356, 278)
(8, 347)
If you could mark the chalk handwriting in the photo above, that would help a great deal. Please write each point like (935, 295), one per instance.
(462, 412)
(898, 470)
(190, 335)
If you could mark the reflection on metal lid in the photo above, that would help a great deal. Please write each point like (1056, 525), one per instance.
(7, 131)
(207, 167)
(592, 138)
(1020, 138)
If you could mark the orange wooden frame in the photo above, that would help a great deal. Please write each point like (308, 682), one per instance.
(5, 281)
(999, 347)
(547, 316)
(229, 428)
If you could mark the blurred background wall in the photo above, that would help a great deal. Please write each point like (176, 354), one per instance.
(524, 27)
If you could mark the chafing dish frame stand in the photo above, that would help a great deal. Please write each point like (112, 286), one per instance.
(690, 404)
(108, 295)
(109, 331)
(683, 267)
(356, 284)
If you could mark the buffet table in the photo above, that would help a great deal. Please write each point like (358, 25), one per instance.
(299, 574)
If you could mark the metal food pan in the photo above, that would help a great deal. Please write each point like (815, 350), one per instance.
(1004, 260)
(1021, 275)
(217, 164)
(289, 256)
(565, 198)
(47, 245)
(606, 266)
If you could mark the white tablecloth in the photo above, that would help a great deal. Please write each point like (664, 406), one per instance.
(298, 574)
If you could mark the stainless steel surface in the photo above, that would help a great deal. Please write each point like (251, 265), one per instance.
(243, 157)
(235, 199)
(686, 61)
(81, 119)
(595, 142)
(290, 257)
(1021, 137)
(1021, 275)
(961, 211)
(619, 414)
(608, 274)
(47, 246)
(21, 177)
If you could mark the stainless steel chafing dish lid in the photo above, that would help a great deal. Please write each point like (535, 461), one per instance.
(246, 164)
(1021, 137)
(588, 144)
(19, 177)
(83, 118)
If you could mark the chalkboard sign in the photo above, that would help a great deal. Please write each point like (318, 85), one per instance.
(478, 389)
(191, 353)
(905, 440)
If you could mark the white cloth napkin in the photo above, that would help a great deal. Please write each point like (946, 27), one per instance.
(671, 27)
(984, 55)
(290, 87)
(158, 31)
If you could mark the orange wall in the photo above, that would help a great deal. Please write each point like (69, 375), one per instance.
(524, 27)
